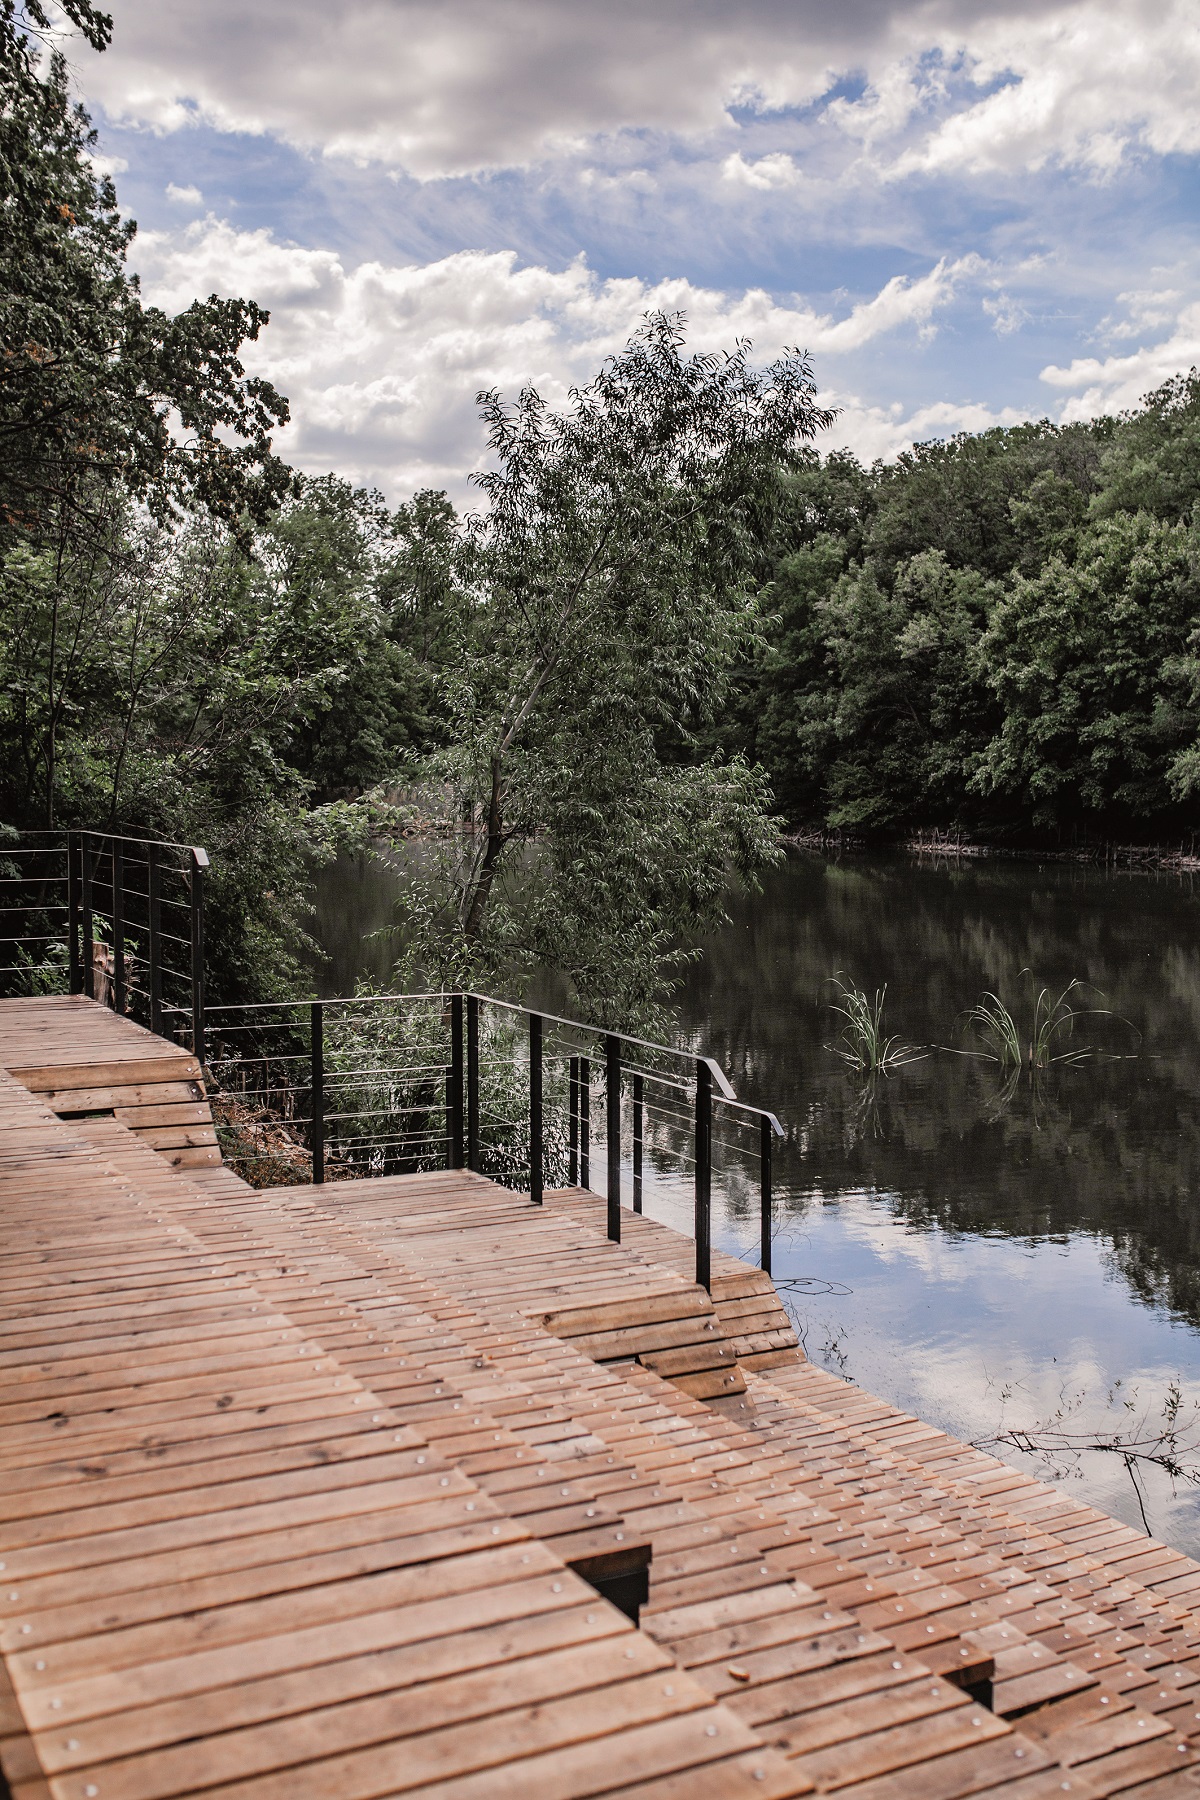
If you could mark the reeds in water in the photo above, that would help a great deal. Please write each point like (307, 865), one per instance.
(1053, 1018)
(862, 1041)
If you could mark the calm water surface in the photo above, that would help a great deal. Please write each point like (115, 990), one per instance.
(973, 1251)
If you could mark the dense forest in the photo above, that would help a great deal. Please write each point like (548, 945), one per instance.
(672, 624)
(999, 634)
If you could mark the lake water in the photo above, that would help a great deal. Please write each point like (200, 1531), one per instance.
(978, 1252)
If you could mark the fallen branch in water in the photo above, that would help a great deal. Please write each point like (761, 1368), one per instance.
(1168, 1440)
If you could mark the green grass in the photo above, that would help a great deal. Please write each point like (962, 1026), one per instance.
(1053, 1020)
(862, 1041)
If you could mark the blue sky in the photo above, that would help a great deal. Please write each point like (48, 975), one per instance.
(967, 212)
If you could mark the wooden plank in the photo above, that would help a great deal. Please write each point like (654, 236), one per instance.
(52, 1079)
(175, 1137)
(194, 1159)
(329, 1684)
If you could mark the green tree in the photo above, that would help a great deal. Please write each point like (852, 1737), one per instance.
(394, 581)
(104, 403)
(96, 388)
(1086, 661)
(613, 580)
(903, 704)
(995, 633)
(956, 496)
(1153, 462)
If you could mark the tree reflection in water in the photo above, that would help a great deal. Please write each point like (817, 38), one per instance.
(1039, 1223)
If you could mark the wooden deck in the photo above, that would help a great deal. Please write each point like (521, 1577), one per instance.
(318, 1492)
(84, 1060)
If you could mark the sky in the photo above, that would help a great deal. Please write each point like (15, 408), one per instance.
(968, 212)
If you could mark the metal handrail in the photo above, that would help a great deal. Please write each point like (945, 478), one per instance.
(696, 1078)
(682, 1097)
(90, 873)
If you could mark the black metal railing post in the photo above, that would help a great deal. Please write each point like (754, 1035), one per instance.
(199, 865)
(456, 1081)
(154, 930)
(764, 1192)
(573, 1124)
(118, 926)
(317, 1055)
(535, 1108)
(472, 1083)
(85, 893)
(612, 1099)
(703, 1217)
(585, 1122)
(74, 968)
(637, 1143)
(89, 922)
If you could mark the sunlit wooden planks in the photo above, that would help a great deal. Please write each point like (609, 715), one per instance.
(220, 1562)
(166, 1636)
(694, 1556)
(752, 1319)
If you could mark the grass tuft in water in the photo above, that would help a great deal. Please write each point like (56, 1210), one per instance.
(863, 1042)
(1054, 1017)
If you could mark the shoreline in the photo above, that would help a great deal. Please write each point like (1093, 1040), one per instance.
(952, 846)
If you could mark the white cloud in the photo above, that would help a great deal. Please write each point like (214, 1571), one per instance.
(1145, 310)
(1110, 384)
(1085, 85)
(876, 431)
(382, 363)
(900, 302)
(777, 170)
(1007, 315)
(184, 196)
(952, 86)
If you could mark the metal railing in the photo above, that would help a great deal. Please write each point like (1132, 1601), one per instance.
(120, 919)
(326, 1090)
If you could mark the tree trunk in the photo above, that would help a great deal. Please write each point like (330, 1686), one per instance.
(491, 857)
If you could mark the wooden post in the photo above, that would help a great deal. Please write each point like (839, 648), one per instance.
(612, 1097)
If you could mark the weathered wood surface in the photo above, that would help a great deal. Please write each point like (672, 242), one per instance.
(84, 1058)
(295, 1489)
(755, 1323)
(231, 1568)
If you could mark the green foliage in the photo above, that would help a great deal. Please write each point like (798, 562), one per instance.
(997, 633)
(96, 388)
(613, 577)
(1085, 660)
(1036, 1048)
